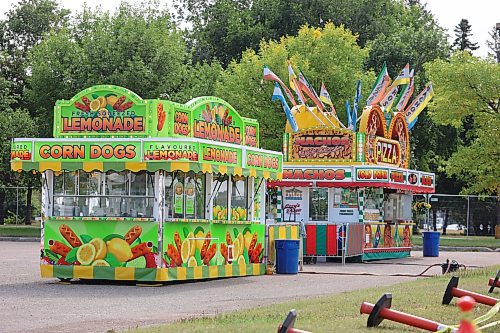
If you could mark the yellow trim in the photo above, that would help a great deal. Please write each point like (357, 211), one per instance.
(313, 163)
(135, 166)
(213, 272)
(161, 274)
(256, 269)
(266, 174)
(293, 231)
(205, 167)
(238, 171)
(198, 272)
(16, 165)
(54, 166)
(181, 273)
(243, 269)
(253, 173)
(229, 270)
(46, 271)
(91, 166)
(124, 273)
(223, 169)
(83, 272)
(181, 166)
(282, 232)
(279, 175)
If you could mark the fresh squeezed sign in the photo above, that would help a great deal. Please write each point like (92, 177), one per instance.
(101, 111)
(171, 151)
(87, 151)
(21, 151)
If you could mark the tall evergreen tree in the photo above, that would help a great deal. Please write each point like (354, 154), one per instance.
(494, 44)
(463, 34)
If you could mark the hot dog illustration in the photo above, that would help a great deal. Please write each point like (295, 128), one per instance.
(70, 235)
(59, 248)
(132, 234)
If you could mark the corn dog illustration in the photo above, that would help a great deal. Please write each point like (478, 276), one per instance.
(141, 249)
(256, 254)
(174, 255)
(177, 241)
(132, 234)
(59, 248)
(229, 240)
(160, 115)
(223, 251)
(205, 244)
(210, 254)
(69, 235)
(252, 244)
(119, 102)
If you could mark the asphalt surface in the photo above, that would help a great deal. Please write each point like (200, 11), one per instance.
(32, 304)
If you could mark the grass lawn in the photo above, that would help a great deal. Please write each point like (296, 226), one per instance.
(340, 313)
(19, 231)
(457, 240)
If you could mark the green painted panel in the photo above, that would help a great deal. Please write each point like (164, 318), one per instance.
(321, 240)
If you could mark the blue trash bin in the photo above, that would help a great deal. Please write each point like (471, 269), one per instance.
(287, 256)
(430, 242)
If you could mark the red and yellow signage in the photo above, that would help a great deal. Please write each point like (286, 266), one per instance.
(171, 151)
(338, 174)
(322, 144)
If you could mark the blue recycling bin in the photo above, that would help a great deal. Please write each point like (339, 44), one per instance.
(287, 256)
(430, 242)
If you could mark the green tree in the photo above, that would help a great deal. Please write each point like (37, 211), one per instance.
(25, 25)
(494, 43)
(467, 86)
(463, 34)
(138, 47)
(330, 54)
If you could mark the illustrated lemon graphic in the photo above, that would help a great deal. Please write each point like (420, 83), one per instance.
(241, 242)
(85, 254)
(100, 262)
(95, 105)
(248, 239)
(199, 242)
(192, 262)
(185, 250)
(100, 248)
(241, 260)
(120, 249)
(139, 262)
(111, 99)
(192, 245)
(103, 101)
(236, 250)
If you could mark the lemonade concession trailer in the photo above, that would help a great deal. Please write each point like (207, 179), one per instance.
(352, 189)
(149, 190)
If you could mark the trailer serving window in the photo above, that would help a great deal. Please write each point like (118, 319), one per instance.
(318, 204)
(185, 195)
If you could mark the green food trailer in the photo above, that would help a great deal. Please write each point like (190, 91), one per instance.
(149, 190)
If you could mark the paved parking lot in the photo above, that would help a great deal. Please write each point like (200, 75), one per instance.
(32, 304)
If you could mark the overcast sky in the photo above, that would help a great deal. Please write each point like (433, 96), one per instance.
(482, 14)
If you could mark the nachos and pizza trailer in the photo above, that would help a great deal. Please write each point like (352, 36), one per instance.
(352, 189)
(149, 190)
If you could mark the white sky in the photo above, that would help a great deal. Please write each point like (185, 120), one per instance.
(482, 14)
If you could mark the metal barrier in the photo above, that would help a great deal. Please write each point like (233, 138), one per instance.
(14, 206)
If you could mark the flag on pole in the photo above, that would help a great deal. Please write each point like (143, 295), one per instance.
(410, 125)
(294, 85)
(357, 98)
(379, 87)
(324, 96)
(350, 124)
(278, 94)
(405, 95)
(306, 87)
(419, 103)
(389, 97)
(270, 76)
(403, 77)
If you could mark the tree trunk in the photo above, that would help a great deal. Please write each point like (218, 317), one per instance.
(29, 194)
(2, 206)
(434, 222)
(445, 222)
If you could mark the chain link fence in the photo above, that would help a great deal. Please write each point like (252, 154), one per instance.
(14, 207)
(465, 214)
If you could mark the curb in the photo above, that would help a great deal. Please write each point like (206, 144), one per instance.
(460, 249)
(19, 239)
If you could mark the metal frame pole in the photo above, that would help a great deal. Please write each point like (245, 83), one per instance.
(468, 207)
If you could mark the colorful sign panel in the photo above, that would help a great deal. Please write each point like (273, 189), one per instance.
(379, 236)
(251, 133)
(263, 161)
(101, 111)
(113, 243)
(220, 155)
(21, 150)
(87, 151)
(372, 174)
(329, 144)
(171, 151)
(210, 244)
(323, 174)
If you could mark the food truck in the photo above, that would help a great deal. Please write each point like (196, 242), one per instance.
(149, 190)
(352, 189)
